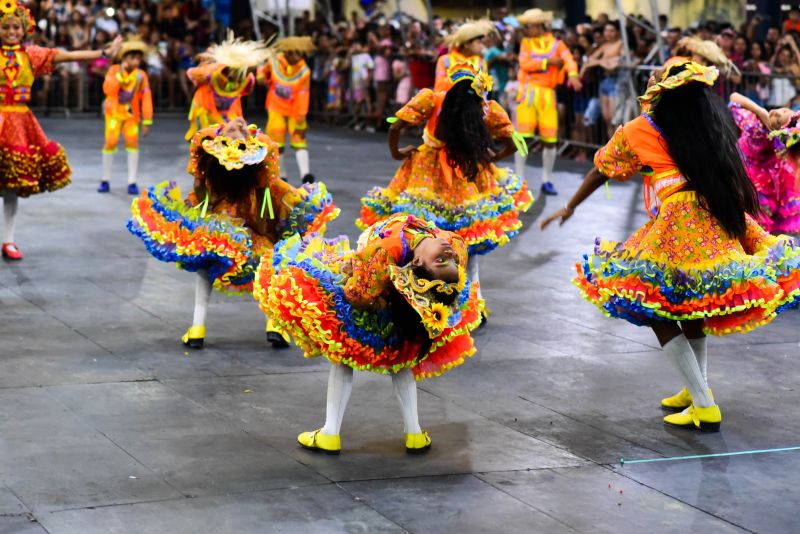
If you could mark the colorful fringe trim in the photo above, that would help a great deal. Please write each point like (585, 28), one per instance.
(730, 298)
(486, 222)
(29, 170)
(174, 231)
(301, 288)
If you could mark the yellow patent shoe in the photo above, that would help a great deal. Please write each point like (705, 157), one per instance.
(276, 337)
(417, 443)
(317, 441)
(705, 419)
(680, 401)
(195, 336)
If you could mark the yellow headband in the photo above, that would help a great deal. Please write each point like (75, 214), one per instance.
(694, 72)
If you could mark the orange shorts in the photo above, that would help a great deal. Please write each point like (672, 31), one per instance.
(129, 129)
(279, 125)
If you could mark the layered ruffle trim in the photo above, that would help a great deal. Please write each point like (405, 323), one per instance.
(312, 213)
(485, 222)
(174, 231)
(730, 296)
(29, 170)
(301, 288)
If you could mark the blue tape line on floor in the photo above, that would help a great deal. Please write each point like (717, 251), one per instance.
(623, 461)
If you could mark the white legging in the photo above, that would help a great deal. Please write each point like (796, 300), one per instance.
(340, 385)
(202, 294)
(9, 215)
(472, 273)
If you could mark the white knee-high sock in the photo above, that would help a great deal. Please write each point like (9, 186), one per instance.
(700, 349)
(680, 354)
(472, 272)
(406, 389)
(548, 162)
(303, 161)
(282, 163)
(9, 215)
(108, 161)
(133, 166)
(519, 164)
(202, 294)
(340, 384)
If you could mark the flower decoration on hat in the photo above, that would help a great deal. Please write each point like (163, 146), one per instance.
(236, 153)
(14, 8)
(788, 136)
(482, 82)
(693, 73)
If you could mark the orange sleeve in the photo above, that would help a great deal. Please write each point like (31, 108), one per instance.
(41, 59)
(264, 72)
(199, 74)
(369, 279)
(617, 160)
(497, 121)
(569, 62)
(248, 86)
(441, 80)
(147, 100)
(303, 95)
(419, 109)
(527, 62)
(111, 85)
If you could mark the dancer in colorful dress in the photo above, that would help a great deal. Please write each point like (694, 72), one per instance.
(399, 305)
(30, 163)
(238, 209)
(466, 52)
(775, 177)
(543, 63)
(222, 79)
(128, 105)
(450, 179)
(701, 265)
(289, 81)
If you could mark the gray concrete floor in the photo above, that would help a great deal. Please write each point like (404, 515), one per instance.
(108, 425)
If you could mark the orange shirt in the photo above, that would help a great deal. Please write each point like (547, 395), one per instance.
(128, 95)
(289, 87)
(454, 57)
(534, 65)
(215, 93)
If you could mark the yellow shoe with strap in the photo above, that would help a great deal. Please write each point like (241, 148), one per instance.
(705, 419)
(317, 441)
(278, 339)
(416, 443)
(195, 336)
(680, 401)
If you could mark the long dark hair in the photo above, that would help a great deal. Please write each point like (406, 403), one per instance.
(462, 130)
(702, 139)
(234, 185)
(406, 321)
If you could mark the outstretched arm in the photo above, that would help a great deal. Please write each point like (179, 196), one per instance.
(749, 105)
(591, 183)
(109, 51)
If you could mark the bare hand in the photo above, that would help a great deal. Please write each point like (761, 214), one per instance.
(563, 214)
(575, 83)
(145, 130)
(114, 47)
(406, 152)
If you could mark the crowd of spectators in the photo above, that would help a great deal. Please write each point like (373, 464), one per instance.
(364, 68)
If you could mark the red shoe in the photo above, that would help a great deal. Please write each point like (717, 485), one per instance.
(11, 251)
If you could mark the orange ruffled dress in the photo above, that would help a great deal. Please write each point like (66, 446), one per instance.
(331, 300)
(30, 163)
(682, 265)
(485, 213)
(230, 238)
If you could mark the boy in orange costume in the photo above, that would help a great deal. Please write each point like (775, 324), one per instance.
(289, 81)
(222, 79)
(542, 62)
(466, 50)
(128, 103)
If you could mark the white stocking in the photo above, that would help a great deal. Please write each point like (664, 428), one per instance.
(282, 164)
(133, 166)
(519, 164)
(202, 294)
(472, 272)
(303, 163)
(340, 384)
(406, 389)
(9, 215)
(700, 349)
(548, 162)
(108, 162)
(680, 354)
